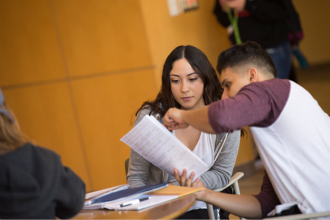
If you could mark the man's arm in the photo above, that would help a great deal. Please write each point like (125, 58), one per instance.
(246, 206)
(176, 119)
(257, 104)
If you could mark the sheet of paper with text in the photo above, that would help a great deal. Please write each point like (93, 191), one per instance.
(158, 145)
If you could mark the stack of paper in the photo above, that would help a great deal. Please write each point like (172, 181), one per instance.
(138, 198)
(158, 145)
(103, 200)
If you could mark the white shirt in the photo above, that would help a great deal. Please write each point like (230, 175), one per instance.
(295, 151)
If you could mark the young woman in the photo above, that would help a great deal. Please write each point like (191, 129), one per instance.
(33, 182)
(188, 82)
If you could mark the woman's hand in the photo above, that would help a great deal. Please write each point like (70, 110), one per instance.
(183, 181)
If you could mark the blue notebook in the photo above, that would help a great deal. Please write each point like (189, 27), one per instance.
(124, 194)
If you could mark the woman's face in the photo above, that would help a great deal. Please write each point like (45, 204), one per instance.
(186, 86)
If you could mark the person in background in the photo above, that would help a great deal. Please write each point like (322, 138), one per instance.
(289, 127)
(270, 23)
(33, 182)
(188, 82)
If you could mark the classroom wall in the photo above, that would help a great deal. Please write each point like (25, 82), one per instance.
(314, 16)
(74, 72)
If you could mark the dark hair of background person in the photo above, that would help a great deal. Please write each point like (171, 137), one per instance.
(200, 64)
(247, 53)
(11, 136)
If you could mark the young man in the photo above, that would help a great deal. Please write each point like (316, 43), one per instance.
(289, 127)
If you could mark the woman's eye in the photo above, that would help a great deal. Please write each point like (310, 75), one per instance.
(174, 80)
(227, 85)
(192, 79)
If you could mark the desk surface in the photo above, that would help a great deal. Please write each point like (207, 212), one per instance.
(168, 210)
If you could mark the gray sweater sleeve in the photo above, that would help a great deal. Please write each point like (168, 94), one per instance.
(220, 173)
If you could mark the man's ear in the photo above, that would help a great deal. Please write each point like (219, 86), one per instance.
(252, 74)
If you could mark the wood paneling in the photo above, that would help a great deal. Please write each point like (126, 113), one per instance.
(106, 107)
(45, 113)
(43, 43)
(315, 18)
(102, 36)
(29, 50)
(247, 151)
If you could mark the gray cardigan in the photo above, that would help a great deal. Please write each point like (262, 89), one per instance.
(141, 172)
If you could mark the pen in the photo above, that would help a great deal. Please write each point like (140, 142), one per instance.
(133, 202)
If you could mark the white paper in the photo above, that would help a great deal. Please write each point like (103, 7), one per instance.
(156, 144)
(152, 201)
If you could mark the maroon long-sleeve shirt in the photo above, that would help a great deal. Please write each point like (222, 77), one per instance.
(267, 196)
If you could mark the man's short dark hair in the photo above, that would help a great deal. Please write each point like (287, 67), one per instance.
(249, 53)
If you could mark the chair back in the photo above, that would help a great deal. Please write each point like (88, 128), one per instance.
(126, 166)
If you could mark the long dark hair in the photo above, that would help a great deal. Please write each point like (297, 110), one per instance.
(198, 61)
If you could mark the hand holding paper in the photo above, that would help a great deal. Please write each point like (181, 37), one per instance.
(188, 181)
(156, 144)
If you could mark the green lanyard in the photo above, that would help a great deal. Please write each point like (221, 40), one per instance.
(233, 21)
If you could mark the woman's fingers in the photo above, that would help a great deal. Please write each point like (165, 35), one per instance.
(183, 178)
(190, 179)
(184, 181)
(196, 182)
(177, 175)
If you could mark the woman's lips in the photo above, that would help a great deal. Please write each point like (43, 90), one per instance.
(186, 98)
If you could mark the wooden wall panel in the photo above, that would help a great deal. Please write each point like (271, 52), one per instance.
(315, 18)
(29, 50)
(102, 36)
(106, 107)
(45, 113)
(247, 151)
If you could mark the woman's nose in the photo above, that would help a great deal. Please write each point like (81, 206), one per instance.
(184, 87)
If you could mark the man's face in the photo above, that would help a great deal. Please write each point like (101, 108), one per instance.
(232, 82)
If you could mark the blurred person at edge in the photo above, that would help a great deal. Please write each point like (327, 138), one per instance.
(33, 182)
